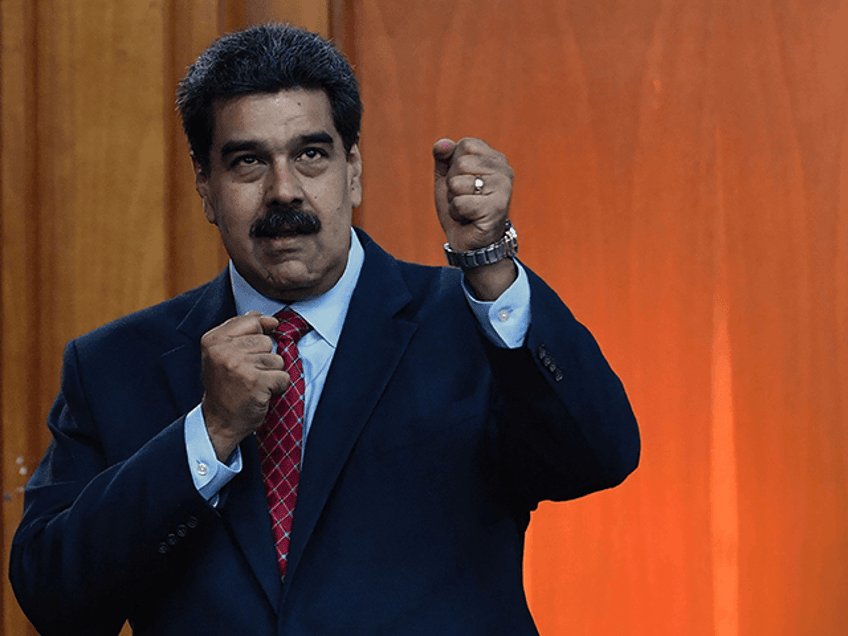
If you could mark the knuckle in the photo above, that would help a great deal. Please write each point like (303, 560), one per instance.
(208, 339)
(454, 183)
(465, 163)
(257, 341)
(232, 365)
(284, 381)
(271, 361)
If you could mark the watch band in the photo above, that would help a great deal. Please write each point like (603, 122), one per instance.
(506, 247)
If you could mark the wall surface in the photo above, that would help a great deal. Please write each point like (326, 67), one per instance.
(681, 181)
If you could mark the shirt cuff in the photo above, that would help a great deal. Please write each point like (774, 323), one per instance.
(505, 321)
(209, 474)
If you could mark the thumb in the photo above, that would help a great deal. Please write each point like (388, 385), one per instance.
(442, 153)
(268, 323)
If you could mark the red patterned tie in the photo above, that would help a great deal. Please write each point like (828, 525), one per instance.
(281, 437)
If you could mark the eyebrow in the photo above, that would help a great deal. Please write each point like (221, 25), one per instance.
(237, 145)
(316, 138)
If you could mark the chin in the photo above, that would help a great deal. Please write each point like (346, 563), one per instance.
(289, 289)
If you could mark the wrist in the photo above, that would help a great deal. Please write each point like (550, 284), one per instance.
(223, 439)
(488, 282)
(504, 248)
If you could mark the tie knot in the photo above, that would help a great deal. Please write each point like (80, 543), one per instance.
(292, 326)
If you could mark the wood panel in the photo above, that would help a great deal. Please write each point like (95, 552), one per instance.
(681, 181)
(83, 109)
(18, 244)
(99, 214)
(194, 250)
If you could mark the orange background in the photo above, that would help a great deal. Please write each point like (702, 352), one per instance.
(681, 180)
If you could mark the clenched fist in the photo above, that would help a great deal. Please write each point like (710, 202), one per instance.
(474, 217)
(241, 371)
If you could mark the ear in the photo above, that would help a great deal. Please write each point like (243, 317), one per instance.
(354, 175)
(203, 187)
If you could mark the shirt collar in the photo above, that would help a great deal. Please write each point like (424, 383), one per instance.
(325, 313)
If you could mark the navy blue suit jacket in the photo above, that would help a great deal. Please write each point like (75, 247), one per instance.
(427, 453)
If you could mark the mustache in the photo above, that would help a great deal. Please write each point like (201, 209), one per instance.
(284, 220)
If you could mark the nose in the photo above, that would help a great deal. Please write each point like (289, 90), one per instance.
(282, 184)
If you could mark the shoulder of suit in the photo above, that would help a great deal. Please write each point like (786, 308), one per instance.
(152, 323)
(423, 282)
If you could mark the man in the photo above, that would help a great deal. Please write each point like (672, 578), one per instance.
(364, 461)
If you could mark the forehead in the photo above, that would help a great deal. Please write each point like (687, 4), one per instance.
(284, 114)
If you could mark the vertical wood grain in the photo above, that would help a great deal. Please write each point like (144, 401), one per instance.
(82, 212)
(19, 369)
(681, 181)
(724, 481)
(99, 213)
(194, 250)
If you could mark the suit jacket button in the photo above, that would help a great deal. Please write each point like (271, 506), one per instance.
(541, 351)
(558, 376)
(172, 540)
(192, 522)
(182, 530)
(163, 548)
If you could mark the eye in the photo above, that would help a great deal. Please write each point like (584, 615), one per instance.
(311, 154)
(245, 160)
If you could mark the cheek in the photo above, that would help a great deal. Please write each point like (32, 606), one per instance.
(238, 211)
(339, 223)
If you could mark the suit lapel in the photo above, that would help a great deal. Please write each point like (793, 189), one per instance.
(242, 505)
(371, 345)
(182, 363)
(245, 511)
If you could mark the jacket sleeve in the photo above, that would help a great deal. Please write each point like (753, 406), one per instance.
(96, 535)
(566, 425)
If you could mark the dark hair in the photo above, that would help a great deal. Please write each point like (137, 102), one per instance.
(266, 59)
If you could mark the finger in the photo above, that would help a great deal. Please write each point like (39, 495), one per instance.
(467, 185)
(277, 381)
(467, 208)
(254, 343)
(442, 153)
(268, 323)
(468, 163)
(269, 361)
(471, 146)
(251, 322)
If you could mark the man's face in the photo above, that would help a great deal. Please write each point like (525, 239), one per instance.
(278, 170)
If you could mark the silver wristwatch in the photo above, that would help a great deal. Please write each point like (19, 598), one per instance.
(504, 248)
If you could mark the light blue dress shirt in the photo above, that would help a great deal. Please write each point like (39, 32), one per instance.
(504, 321)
